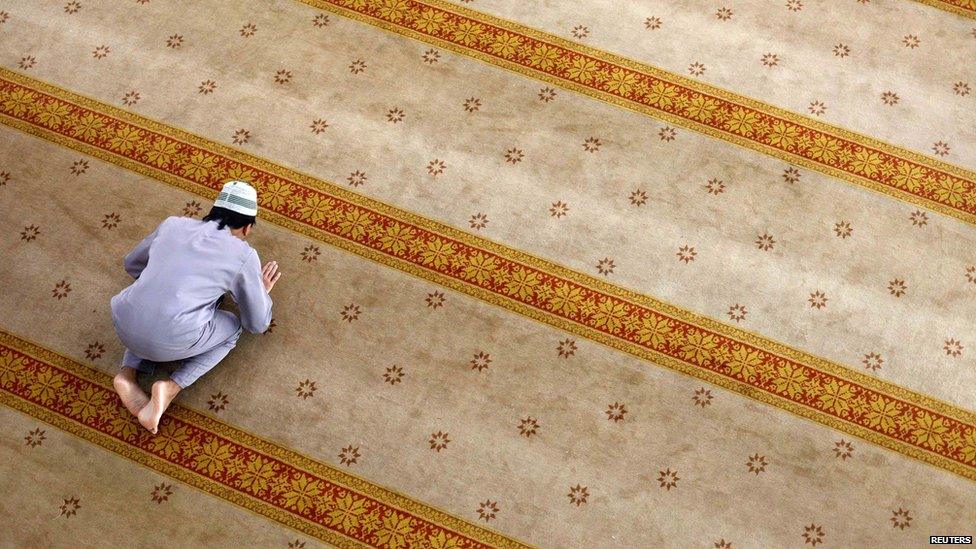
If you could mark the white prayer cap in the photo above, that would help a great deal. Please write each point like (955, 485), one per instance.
(239, 197)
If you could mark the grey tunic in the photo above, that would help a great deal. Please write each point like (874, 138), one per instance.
(182, 269)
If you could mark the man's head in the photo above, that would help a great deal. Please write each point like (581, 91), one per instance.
(236, 207)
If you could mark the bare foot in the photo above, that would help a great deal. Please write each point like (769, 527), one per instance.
(129, 390)
(163, 393)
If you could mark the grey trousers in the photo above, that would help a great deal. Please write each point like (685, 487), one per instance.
(219, 337)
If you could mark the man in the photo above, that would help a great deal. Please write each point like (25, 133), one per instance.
(182, 271)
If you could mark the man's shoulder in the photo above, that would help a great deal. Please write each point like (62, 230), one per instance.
(175, 220)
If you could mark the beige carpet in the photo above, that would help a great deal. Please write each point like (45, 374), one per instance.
(471, 392)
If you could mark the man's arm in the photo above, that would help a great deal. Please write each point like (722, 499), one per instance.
(251, 297)
(137, 259)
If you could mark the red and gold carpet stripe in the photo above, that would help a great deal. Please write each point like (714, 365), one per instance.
(304, 494)
(826, 392)
(966, 8)
(893, 171)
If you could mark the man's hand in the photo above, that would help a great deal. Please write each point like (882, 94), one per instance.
(270, 275)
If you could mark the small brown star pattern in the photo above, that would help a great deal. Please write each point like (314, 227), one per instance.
(357, 66)
(218, 402)
(241, 136)
(310, 254)
(79, 167)
(393, 375)
(528, 426)
(30, 233)
(757, 464)
(161, 492)
(547, 94)
(35, 438)
(715, 186)
(638, 197)
(61, 290)
(919, 218)
(668, 479)
(818, 300)
(514, 155)
(70, 507)
(897, 287)
(577, 495)
(192, 209)
(94, 350)
(111, 220)
(566, 348)
(791, 175)
(131, 98)
(813, 534)
(436, 167)
(206, 87)
(558, 209)
(282, 76)
(395, 115)
(843, 229)
(615, 412)
(356, 178)
(686, 254)
(901, 519)
(702, 397)
(770, 60)
(953, 347)
(349, 455)
(488, 510)
(472, 104)
(653, 23)
(971, 274)
(843, 449)
(737, 312)
(439, 441)
(435, 299)
(305, 389)
(350, 312)
(321, 20)
(605, 266)
(873, 361)
(480, 361)
(765, 242)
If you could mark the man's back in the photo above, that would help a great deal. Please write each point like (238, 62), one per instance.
(185, 267)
